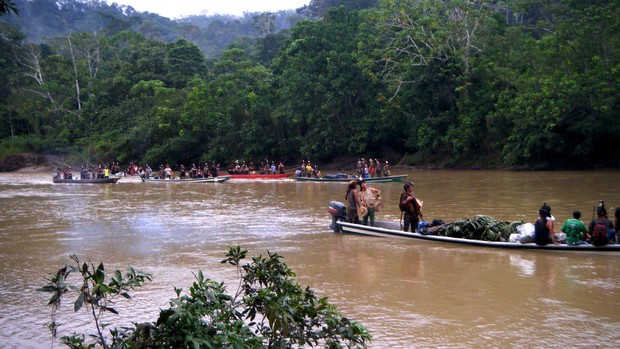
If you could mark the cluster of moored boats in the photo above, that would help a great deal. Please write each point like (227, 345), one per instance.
(338, 177)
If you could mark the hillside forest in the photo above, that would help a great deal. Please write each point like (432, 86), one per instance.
(450, 83)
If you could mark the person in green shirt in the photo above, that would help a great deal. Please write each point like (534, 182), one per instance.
(575, 230)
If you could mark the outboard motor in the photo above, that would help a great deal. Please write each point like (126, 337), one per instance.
(338, 211)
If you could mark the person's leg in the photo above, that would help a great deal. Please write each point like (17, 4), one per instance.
(406, 222)
(350, 215)
(371, 215)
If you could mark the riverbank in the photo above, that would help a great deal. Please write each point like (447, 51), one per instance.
(32, 163)
(27, 162)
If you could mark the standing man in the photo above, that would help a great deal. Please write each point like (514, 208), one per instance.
(411, 207)
(369, 197)
(386, 169)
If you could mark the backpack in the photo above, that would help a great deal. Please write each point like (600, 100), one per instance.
(599, 234)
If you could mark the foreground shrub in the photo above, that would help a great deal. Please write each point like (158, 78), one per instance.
(268, 310)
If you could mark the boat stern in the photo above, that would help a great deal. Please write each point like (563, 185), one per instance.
(338, 212)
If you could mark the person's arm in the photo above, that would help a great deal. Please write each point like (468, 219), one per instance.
(591, 227)
(551, 232)
(583, 230)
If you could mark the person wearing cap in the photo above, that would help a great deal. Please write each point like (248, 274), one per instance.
(353, 202)
(386, 169)
(368, 198)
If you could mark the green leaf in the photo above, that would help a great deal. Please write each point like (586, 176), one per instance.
(109, 309)
(78, 302)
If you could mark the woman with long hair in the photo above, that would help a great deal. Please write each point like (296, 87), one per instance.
(353, 202)
(543, 227)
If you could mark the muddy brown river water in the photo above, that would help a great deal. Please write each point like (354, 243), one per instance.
(409, 294)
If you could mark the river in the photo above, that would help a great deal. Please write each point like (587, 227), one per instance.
(409, 294)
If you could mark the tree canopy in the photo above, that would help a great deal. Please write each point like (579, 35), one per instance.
(454, 83)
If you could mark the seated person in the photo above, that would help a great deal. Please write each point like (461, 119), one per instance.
(601, 219)
(543, 227)
(575, 230)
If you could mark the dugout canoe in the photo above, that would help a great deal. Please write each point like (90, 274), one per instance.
(385, 229)
(260, 176)
(348, 178)
(393, 230)
(219, 179)
(86, 181)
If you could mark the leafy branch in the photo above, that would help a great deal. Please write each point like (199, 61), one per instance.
(96, 290)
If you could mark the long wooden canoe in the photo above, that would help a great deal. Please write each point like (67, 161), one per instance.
(219, 179)
(86, 181)
(348, 178)
(393, 230)
(260, 176)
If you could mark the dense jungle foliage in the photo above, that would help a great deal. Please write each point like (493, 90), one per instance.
(513, 83)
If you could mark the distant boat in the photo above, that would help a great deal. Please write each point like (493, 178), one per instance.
(219, 179)
(341, 177)
(86, 181)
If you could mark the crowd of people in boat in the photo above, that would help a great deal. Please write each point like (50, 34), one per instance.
(361, 206)
(307, 170)
(103, 170)
(165, 171)
(263, 167)
(207, 170)
(372, 168)
(364, 169)
(599, 232)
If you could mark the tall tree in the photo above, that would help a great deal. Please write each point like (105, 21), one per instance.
(322, 92)
(229, 116)
(184, 61)
(561, 105)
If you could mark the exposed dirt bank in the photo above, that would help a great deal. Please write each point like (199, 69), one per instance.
(27, 162)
